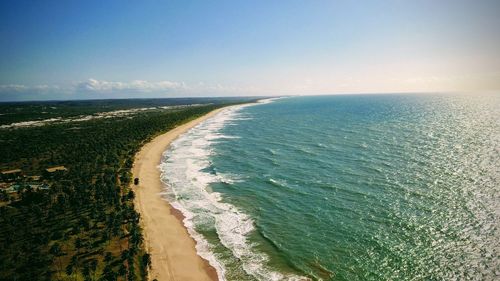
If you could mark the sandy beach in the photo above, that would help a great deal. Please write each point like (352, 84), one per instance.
(173, 254)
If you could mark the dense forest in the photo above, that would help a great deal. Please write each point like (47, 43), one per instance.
(66, 202)
(11, 112)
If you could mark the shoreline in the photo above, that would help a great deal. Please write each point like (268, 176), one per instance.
(172, 249)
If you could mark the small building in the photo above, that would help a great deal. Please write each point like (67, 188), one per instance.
(37, 186)
(10, 175)
(56, 169)
(14, 172)
(35, 178)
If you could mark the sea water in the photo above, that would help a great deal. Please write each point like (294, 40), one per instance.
(355, 187)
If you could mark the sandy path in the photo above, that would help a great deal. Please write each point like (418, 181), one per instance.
(173, 254)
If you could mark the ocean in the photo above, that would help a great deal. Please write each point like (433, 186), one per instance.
(348, 187)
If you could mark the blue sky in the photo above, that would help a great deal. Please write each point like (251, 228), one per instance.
(112, 49)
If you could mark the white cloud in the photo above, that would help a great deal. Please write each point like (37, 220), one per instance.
(24, 88)
(139, 86)
(12, 88)
(13, 92)
(101, 89)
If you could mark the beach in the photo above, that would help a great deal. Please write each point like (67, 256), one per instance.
(173, 253)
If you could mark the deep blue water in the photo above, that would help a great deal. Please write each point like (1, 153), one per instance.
(358, 187)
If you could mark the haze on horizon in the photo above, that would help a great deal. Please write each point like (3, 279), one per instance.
(121, 49)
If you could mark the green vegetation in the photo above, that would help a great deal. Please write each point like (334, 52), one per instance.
(77, 222)
(11, 112)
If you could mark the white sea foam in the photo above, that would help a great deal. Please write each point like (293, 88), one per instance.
(184, 171)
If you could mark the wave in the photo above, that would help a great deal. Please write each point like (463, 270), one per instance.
(188, 173)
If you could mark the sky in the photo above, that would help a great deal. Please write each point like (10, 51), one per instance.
(138, 49)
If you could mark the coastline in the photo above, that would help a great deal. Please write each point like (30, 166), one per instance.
(173, 253)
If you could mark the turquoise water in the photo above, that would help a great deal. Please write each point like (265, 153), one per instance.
(375, 187)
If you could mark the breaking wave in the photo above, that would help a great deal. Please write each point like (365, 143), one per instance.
(188, 173)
